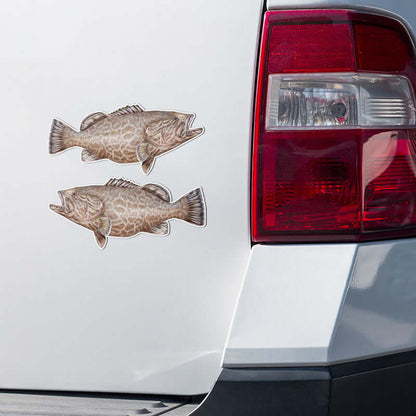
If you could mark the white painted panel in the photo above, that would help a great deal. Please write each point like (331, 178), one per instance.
(148, 314)
(289, 304)
(325, 304)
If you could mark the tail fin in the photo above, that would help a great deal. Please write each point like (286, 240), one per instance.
(57, 138)
(195, 207)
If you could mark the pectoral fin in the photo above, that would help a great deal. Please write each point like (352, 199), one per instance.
(102, 231)
(148, 165)
(145, 157)
(101, 239)
(143, 152)
(104, 226)
(161, 229)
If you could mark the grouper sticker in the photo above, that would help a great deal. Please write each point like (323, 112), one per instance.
(121, 208)
(128, 135)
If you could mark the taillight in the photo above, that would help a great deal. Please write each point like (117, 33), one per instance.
(334, 149)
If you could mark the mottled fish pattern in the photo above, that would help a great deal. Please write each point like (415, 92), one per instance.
(121, 208)
(128, 135)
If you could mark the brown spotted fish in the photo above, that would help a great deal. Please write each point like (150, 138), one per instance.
(128, 135)
(123, 209)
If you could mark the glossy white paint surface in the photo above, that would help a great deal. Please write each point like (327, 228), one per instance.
(148, 314)
(321, 304)
(289, 304)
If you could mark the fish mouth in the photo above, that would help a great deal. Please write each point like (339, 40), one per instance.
(189, 121)
(64, 208)
(189, 132)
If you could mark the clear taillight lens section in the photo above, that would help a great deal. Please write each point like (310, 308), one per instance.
(338, 100)
(334, 152)
(319, 101)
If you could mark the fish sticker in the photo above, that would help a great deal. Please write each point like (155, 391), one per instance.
(128, 135)
(121, 208)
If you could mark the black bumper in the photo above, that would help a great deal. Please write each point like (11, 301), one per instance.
(378, 386)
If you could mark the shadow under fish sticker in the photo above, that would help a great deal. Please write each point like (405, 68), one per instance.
(123, 209)
(128, 135)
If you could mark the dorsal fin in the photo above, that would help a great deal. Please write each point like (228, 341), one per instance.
(128, 109)
(92, 119)
(121, 183)
(157, 190)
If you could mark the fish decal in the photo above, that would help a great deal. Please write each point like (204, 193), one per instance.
(128, 135)
(121, 208)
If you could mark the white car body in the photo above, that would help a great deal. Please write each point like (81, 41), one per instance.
(148, 314)
(164, 315)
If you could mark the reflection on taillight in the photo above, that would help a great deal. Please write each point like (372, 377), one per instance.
(324, 168)
(389, 181)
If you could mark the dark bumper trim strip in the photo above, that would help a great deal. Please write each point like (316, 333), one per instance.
(372, 387)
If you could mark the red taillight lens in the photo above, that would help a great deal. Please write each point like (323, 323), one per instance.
(382, 44)
(305, 48)
(310, 183)
(324, 168)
